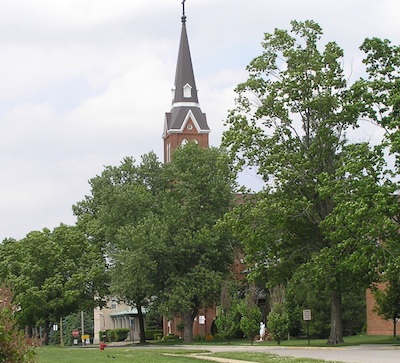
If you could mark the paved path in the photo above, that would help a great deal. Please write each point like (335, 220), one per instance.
(356, 354)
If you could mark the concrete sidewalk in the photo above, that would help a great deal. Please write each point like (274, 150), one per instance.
(355, 354)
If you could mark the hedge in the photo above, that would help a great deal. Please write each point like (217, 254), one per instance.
(116, 335)
(152, 333)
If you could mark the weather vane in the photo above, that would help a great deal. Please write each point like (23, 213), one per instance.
(183, 12)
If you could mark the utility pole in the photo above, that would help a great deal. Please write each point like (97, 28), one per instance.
(61, 334)
(82, 328)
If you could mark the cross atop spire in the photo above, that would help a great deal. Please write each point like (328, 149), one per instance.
(183, 12)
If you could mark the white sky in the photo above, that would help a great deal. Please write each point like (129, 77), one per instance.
(84, 83)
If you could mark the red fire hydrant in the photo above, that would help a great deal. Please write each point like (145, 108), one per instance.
(102, 345)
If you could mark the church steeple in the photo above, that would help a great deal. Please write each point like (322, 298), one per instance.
(185, 122)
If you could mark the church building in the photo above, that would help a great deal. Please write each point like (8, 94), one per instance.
(185, 122)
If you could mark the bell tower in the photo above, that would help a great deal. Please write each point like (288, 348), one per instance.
(185, 122)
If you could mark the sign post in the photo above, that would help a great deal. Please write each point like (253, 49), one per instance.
(307, 318)
(75, 334)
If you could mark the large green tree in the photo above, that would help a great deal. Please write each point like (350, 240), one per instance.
(200, 193)
(378, 95)
(290, 122)
(156, 222)
(122, 215)
(53, 274)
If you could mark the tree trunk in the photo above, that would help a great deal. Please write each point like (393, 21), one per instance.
(336, 334)
(141, 324)
(394, 328)
(46, 337)
(187, 319)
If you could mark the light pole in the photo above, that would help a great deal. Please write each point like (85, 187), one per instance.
(103, 329)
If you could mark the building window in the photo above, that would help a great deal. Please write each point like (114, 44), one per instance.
(168, 159)
(184, 142)
(187, 91)
(114, 304)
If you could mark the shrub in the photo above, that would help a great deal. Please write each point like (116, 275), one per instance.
(278, 322)
(13, 345)
(102, 336)
(121, 334)
(110, 335)
(170, 337)
(250, 320)
(152, 333)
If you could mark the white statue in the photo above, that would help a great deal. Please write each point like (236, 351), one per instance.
(262, 331)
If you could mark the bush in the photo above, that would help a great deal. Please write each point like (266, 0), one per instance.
(102, 336)
(278, 322)
(250, 321)
(170, 337)
(13, 345)
(152, 333)
(121, 334)
(110, 335)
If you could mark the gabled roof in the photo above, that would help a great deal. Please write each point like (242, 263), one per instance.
(177, 118)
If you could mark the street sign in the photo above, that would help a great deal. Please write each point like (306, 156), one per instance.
(75, 333)
(307, 314)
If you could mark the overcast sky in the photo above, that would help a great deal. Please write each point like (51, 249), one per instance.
(84, 83)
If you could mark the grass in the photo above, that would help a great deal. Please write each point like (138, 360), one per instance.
(267, 358)
(146, 355)
(303, 342)
(117, 355)
(157, 352)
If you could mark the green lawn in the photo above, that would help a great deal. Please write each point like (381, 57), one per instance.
(156, 353)
(146, 355)
(348, 341)
(117, 355)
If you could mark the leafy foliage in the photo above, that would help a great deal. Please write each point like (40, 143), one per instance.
(278, 322)
(54, 273)
(13, 345)
(157, 225)
(327, 205)
(122, 215)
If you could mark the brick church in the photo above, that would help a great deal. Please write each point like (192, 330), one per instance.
(186, 123)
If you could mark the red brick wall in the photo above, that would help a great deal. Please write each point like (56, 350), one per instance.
(376, 325)
(176, 139)
(198, 329)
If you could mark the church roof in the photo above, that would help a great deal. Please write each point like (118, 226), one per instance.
(185, 97)
(184, 71)
(177, 117)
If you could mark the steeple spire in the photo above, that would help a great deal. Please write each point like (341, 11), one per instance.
(183, 12)
(185, 122)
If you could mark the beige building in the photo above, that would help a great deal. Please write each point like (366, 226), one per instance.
(115, 316)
